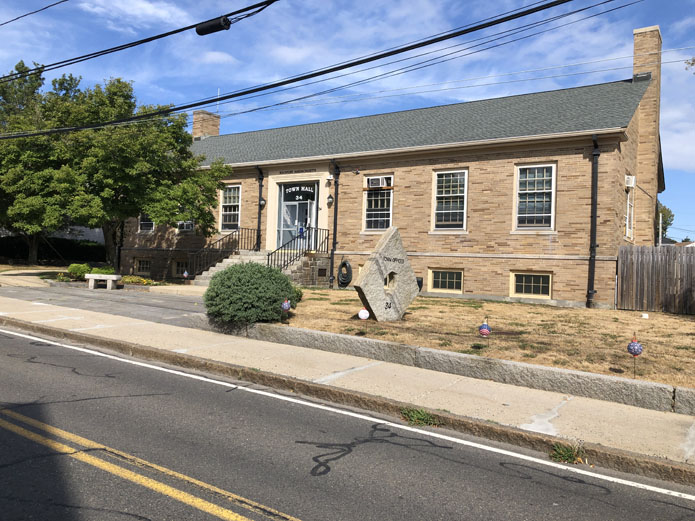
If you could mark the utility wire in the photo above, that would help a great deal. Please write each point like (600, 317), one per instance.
(370, 96)
(417, 66)
(346, 65)
(33, 12)
(384, 50)
(236, 16)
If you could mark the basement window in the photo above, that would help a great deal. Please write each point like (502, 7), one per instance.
(533, 285)
(445, 281)
(143, 266)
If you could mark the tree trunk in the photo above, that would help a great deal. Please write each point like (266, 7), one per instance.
(33, 243)
(110, 230)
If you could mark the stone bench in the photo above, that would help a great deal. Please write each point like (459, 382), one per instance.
(111, 280)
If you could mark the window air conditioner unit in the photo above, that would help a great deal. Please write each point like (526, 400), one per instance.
(376, 182)
(629, 181)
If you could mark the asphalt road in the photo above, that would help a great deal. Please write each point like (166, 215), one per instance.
(178, 310)
(91, 438)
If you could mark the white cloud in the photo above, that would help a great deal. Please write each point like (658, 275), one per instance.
(683, 26)
(129, 15)
(217, 57)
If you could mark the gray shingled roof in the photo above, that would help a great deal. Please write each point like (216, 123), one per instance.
(595, 107)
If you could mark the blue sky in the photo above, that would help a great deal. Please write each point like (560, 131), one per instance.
(295, 36)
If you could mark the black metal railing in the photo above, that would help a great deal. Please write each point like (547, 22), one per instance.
(230, 244)
(308, 240)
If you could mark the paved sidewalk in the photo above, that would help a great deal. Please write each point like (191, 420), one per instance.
(25, 278)
(615, 426)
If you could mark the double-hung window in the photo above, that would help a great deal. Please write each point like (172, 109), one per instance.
(535, 197)
(231, 202)
(185, 226)
(145, 224)
(378, 202)
(450, 201)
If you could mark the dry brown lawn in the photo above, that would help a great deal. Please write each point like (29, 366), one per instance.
(583, 339)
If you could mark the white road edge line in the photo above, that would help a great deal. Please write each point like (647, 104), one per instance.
(451, 439)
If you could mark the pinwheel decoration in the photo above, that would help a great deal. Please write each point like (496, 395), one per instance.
(363, 314)
(484, 331)
(635, 349)
(286, 306)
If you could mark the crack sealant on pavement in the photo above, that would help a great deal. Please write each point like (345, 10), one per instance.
(541, 422)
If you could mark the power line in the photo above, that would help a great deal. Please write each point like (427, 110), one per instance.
(427, 63)
(346, 65)
(369, 96)
(33, 12)
(434, 61)
(237, 16)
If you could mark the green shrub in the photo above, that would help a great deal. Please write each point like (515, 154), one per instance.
(106, 270)
(135, 279)
(78, 271)
(247, 293)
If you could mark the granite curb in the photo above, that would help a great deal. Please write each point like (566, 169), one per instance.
(647, 395)
(605, 457)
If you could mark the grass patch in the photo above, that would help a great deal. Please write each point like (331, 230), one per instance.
(475, 304)
(583, 339)
(419, 417)
(563, 453)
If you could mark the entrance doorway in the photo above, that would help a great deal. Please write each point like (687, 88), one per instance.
(297, 213)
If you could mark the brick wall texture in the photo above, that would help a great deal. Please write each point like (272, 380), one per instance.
(490, 248)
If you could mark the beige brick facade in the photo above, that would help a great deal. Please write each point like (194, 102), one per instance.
(491, 248)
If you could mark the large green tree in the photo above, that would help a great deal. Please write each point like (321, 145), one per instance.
(99, 177)
(146, 167)
(39, 191)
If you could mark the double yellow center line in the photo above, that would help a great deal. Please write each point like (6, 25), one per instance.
(139, 479)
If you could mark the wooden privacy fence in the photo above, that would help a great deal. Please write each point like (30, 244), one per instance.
(652, 278)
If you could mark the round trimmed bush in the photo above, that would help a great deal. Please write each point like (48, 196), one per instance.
(246, 293)
(78, 271)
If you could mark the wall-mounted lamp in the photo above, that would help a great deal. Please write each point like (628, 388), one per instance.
(356, 171)
(329, 200)
(261, 203)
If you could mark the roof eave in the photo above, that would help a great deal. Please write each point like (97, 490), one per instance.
(620, 132)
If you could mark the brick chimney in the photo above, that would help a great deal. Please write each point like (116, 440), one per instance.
(647, 63)
(205, 124)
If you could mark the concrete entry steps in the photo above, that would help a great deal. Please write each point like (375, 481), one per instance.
(310, 270)
(244, 256)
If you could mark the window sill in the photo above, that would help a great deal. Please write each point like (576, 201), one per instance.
(452, 231)
(534, 297)
(373, 232)
(533, 232)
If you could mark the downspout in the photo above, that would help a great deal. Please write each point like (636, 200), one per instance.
(592, 234)
(261, 204)
(336, 184)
